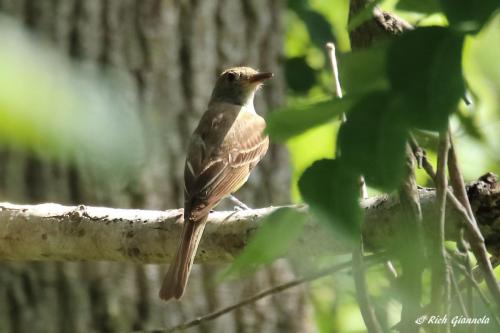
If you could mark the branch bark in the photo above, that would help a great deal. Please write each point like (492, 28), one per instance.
(73, 233)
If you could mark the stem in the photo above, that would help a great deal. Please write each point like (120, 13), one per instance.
(412, 249)
(440, 283)
(479, 292)
(333, 61)
(362, 295)
(271, 291)
(477, 243)
(475, 237)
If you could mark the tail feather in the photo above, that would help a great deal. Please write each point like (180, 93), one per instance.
(176, 279)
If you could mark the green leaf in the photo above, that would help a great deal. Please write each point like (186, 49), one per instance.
(271, 241)
(290, 121)
(470, 124)
(363, 15)
(300, 77)
(364, 70)
(482, 72)
(469, 16)
(426, 139)
(420, 6)
(424, 67)
(320, 30)
(372, 141)
(304, 150)
(57, 109)
(332, 191)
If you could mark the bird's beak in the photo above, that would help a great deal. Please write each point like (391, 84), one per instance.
(259, 77)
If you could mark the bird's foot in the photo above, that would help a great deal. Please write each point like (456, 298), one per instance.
(239, 205)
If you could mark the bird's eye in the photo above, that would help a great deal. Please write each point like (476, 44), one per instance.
(231, 77)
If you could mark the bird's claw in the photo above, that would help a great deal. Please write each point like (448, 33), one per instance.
(240, 206)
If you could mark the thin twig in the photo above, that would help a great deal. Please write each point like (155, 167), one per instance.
(363, 297)
(456, 179)
(478, 290)
(458, 294)
(412, 245)
(330, 47)
(333, 61)
(477, 243)
(271, 291)
(476, 239)
(456, 261)
(364, 302)
(464, 254)
(391, 270)
(440, 283)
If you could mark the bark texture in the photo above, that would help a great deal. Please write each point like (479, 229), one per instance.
(72, 233)
(169, 53)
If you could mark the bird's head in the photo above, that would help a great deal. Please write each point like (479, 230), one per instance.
(238, 85)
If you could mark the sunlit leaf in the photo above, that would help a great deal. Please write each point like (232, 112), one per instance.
(425, 67)
(364, 70)
(482, 68)
(420, 6)
(54, 107)
(363, 15)
(332, 191)
(320, 30)
(372, 141)
(290, 121)
(315, 144)
(426, 139)
(271, 241)
(337, 13)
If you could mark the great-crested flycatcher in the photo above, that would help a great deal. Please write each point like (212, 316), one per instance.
(227, 144)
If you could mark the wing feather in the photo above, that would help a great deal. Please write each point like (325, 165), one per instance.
(211, 175)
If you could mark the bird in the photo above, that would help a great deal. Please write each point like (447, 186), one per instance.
(227, 144)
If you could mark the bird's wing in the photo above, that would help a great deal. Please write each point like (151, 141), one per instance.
(218, 164)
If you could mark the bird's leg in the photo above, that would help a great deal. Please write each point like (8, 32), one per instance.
(239, 205)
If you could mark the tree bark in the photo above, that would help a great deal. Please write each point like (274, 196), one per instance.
(169, 52)
(73, 233)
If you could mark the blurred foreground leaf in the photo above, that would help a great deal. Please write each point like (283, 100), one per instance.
(363, 15)
(470, 124)
(300, 76)
(271, 241)
(305, 149)
(332, 191)
(364, 70)
(425, 68)
(372, 141)
(51, 106)
(420, 6)
(482, 68)
(320, 30)
(290, 121)
(469, 16)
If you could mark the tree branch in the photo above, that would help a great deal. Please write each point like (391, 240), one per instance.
(71, 233)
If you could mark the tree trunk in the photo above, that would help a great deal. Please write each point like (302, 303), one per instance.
(170, 52)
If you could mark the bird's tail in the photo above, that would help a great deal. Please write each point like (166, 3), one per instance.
(176, 279)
